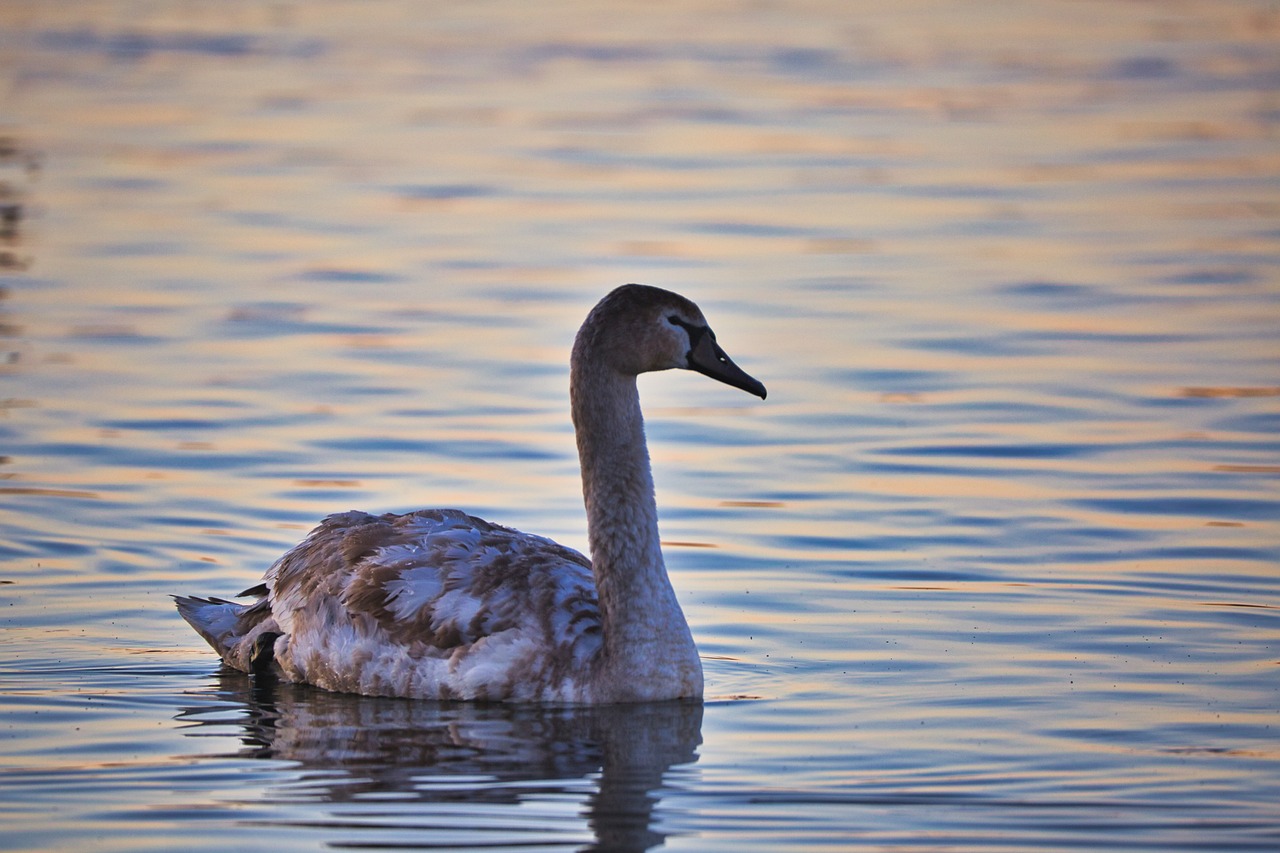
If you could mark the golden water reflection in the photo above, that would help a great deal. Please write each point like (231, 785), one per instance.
(997, 554)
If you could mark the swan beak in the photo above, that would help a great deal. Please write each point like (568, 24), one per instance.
(707, 358)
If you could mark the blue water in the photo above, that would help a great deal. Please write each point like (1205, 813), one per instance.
(995, 566)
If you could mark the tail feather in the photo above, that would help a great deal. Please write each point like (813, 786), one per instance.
(217, 620)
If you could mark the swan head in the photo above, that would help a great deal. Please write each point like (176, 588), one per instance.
(637, 329)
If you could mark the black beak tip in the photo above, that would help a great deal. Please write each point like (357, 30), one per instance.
(707, 358)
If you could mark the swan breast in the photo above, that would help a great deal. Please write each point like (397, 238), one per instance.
(435, 604)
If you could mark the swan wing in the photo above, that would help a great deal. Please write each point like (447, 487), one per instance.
(436, 604)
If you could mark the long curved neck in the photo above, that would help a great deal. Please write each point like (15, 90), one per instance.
(645, 633)
(617, 485)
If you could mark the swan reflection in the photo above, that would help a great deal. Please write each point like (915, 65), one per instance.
(349, 749)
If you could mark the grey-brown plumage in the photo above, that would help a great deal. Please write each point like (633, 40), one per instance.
(440, 604)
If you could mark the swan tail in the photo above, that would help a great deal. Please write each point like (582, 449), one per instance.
(225, 625)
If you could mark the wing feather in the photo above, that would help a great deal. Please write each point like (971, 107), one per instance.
(434, 603)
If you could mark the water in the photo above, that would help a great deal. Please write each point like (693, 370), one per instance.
(994, 566)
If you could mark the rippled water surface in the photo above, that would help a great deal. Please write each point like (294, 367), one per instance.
(996, 565)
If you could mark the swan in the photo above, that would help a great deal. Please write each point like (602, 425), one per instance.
(438, 604)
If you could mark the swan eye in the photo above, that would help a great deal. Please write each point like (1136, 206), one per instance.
(695, 333)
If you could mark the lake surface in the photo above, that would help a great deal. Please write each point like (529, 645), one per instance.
(995, 566)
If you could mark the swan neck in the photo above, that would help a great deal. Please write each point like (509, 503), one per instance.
(617, 483)
(649, 651)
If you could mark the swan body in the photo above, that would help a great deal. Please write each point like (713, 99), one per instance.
(439, 604)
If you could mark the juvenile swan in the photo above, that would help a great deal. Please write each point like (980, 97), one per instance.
(438, 604)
